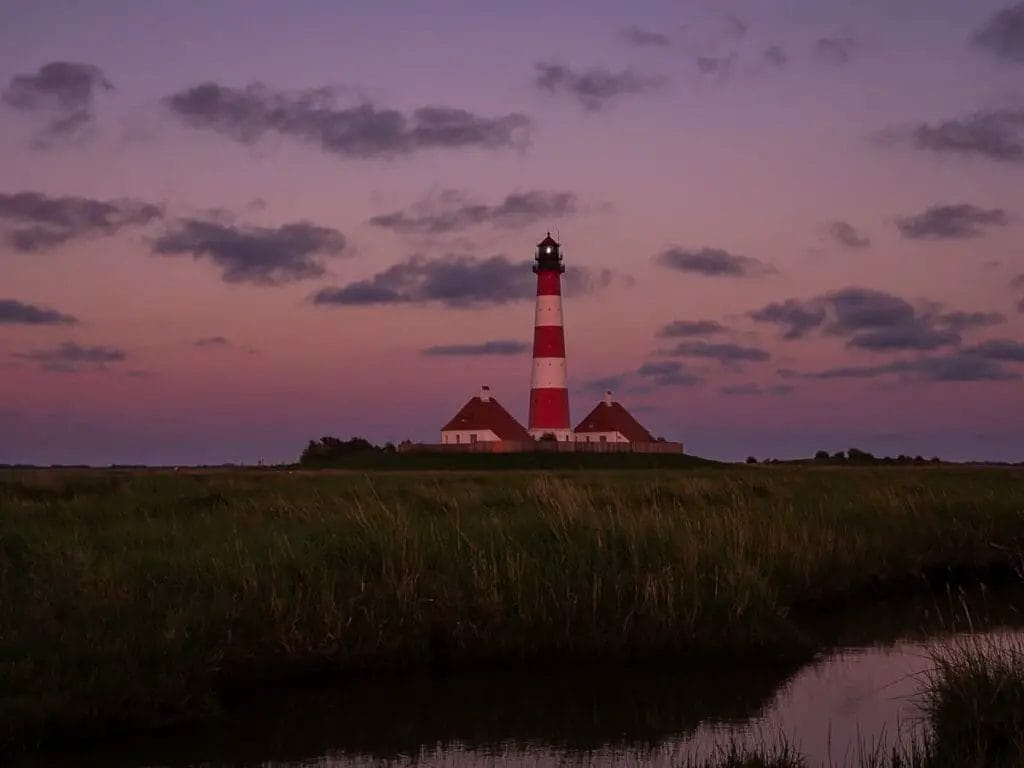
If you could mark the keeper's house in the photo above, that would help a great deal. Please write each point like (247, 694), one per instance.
(483, 420)
(610, 422)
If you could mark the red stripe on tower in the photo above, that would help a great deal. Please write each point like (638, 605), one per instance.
(549, 396)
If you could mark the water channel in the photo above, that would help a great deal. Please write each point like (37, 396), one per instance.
(859, 690)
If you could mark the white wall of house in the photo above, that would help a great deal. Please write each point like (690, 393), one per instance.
(463, 436)
(601, 437)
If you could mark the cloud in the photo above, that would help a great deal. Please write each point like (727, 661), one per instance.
(873, 320)
(1003, 350)
(594, 88)
(36, 222)
(962, 321)
(713, 262)
(835, 50)
(457, 281)
(1003, 34)
(958, 366)
(916, 334)
(359, 131)
(736, 26)
(797, 317)
(1018, 282)
(643, 38)
(212, 341)
(776, 55)
(63, 93)
(14, 312)
(723, 353)
(495, 347)
(996, 134)
(679, 328)
(69, 357)
(668, 374)
(716, 65)
(846, 234)
(946, 222)
(260, 255)
(756, 390)
(451, 211)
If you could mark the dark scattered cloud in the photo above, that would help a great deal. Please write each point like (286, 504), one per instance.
(795, 316)
(494, 347)
(962, 321)
(212, 341)
(1003, 34)
(70, 357)
(605, 383)
(713, 262)
(996, 134)
(835, 50)
(873, 320)
(594, 88)
(458, 281)
(1018, 282)
(1003, 350)
(34, 222)
(682, 328)
(757, 390)
(643, 38)
(14, 312)
(846, 234)
(261, 255)
(1020, 306)
(62, 93)
(581, 281)
(359, 131)
(667, 374)
(736, 26)
(957, 366)
(915, 334)
(724, 353)
(721, 66)
(776, 55)
(949, 222)
(452, 211)
(650, 375)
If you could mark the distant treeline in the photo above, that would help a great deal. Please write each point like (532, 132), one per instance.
(854, 456)
(360, 453)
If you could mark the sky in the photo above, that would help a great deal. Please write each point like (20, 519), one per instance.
(227, 228)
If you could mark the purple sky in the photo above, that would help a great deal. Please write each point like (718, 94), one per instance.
(227, 227)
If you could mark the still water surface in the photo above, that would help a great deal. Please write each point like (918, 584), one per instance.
(862, 690)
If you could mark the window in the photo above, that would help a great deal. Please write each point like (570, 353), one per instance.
(458, 438)
(472, 438)
(604, 438)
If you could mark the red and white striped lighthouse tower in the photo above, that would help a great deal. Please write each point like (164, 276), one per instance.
(549, 397)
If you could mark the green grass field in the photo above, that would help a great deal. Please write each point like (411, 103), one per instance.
(133, 598)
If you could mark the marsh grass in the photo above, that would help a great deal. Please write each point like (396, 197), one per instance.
(133, 598)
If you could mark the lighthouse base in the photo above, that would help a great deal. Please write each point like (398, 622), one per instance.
(561, 435)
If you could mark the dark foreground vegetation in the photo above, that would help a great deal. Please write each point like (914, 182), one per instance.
(129, 599)
(974, 707)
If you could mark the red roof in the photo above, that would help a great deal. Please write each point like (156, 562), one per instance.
(487, 414)
(612, 417)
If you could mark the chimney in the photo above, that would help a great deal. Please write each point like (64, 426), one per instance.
(485, 393)
(608, 397)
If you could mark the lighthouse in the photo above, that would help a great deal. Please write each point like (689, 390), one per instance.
(549, 397)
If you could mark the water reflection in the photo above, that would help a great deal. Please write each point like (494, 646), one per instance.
(593, 715)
